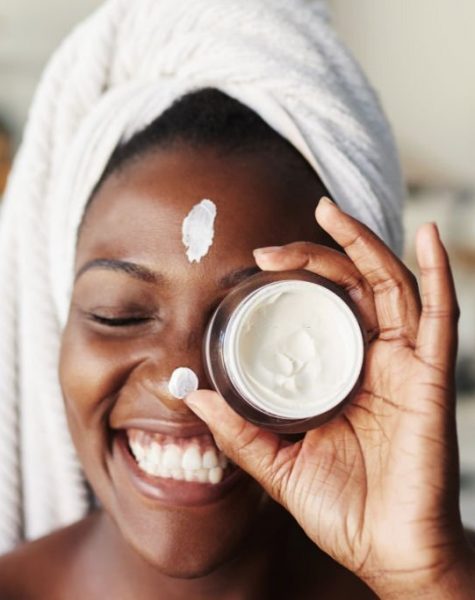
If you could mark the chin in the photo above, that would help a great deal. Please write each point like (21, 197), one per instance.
(189, 542)
(191, 567)
(179, 528)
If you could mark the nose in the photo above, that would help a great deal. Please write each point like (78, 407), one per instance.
(179, 347)
(186, 363)
(185, 345)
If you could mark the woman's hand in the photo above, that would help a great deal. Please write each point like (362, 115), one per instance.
(377, 487)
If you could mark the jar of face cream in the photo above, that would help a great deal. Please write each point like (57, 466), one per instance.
(285, 350)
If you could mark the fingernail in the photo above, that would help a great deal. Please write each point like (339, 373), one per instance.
(327, 200)
(268, 250)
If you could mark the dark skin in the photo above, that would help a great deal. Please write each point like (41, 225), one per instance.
(245, 545)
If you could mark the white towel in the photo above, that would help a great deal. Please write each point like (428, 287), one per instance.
(112, 76)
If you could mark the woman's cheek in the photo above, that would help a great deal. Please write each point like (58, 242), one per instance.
(91, 369)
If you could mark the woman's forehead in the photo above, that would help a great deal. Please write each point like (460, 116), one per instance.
(143, 207)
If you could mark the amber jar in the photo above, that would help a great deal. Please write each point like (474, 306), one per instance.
(285, 350)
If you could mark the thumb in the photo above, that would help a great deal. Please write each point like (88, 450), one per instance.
(262, 454)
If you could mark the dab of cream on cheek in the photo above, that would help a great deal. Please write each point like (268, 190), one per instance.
(198, 230)
(182, 382)
(294, 349)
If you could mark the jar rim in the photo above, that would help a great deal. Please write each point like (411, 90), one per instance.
(246, 306)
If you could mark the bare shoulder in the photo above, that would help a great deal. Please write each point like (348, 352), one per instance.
(39, 570)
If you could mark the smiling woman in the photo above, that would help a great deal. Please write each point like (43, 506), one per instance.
(138, 312)
(186, 498)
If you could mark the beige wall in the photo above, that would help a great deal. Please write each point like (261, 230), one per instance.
(29, 32)
(420, 54)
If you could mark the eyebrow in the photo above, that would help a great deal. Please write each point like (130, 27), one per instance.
(145, 274)
(122, 266)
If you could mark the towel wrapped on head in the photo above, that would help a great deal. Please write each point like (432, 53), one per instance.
(110, 78)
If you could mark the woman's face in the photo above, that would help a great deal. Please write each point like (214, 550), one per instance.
(131, 266)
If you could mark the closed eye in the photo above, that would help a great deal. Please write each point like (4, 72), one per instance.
(119, 321)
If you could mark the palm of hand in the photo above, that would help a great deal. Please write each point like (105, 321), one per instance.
(371, 483)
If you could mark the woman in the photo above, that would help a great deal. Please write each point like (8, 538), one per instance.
(365, 505)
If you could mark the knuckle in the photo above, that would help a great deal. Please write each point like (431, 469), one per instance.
(359, 238)
(429, 271)
(302, 253)
(355, 285)
(385, 282)
(360, 235)
(244, 436)
(436, 311)
(302, 246)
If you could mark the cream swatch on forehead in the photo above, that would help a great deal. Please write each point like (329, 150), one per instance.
(198, 230)
(182, 382)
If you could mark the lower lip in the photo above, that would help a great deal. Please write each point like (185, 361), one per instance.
(171, 491)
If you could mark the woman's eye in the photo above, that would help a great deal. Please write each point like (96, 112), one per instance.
(119, 321)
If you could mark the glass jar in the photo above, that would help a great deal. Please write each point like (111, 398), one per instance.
(285, 350)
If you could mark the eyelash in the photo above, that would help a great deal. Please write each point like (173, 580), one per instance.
(119, 321)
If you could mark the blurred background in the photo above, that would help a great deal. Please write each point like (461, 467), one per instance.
(420, 58)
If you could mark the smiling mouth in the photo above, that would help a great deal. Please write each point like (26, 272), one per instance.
(193, 459)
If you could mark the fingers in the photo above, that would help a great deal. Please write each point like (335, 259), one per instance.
(394, 287)
(328, 263)
(437, 336)
(260, 453)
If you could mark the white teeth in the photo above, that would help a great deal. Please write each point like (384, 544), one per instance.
(147, 466)
(171, 458)
(177, 474)
(189, 475)
(191, 458)
(210, 459)
(189, 463)
(138, 450)
(163, 472)
(215, 475)
(155, 453)
(202, 475)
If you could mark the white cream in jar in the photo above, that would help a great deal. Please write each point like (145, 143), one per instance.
(285, 346)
